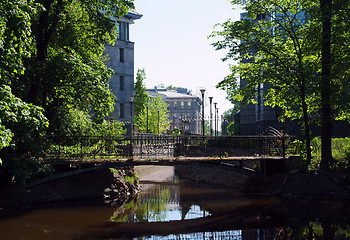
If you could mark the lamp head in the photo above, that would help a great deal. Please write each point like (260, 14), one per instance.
(202, 91)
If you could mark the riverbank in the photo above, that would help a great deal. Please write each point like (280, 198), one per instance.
(79, 185)
(306, 185)
(104, 183)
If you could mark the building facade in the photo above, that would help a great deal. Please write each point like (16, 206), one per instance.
(121, 60)
(184, 109)
(255, 118)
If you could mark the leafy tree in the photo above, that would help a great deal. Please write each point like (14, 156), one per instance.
(50, 58)
(21, 124)
(229, 125)
(334, 86)
(157, 117)
(171, 87)
(326, 112)
(141, 96)
(110, 128)
(231, 128)
(277, 49)
(66, 67)
(280, 47)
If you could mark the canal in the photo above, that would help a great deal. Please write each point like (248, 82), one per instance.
(172, 206)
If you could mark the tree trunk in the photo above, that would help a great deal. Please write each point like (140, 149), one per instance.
(306, 127)
(42, 41)
(45, 29)
(328, 231)
(326, 122)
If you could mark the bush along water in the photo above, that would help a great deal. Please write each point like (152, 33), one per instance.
(340, 152)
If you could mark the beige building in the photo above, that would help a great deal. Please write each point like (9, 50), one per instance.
(184, 109)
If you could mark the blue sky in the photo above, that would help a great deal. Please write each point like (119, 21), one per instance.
(171, 45)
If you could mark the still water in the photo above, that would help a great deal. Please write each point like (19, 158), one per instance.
(171, 207)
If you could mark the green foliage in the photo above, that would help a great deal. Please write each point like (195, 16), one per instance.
(157, 117)
(140, 95)
(22, 127)
(176, 131)
(278, 49)
(123, 217)
(51, 56)
(113, 170)
(109, 128)
(284, 58)
(72, 122)
(340, 153)
(21, 169)
(231, 128)
(75, 122)
(134, 179)
(171, 87)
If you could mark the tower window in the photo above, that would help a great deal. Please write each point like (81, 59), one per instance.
(121, 55)
(121, 109)
(123, 31)
(121, 82)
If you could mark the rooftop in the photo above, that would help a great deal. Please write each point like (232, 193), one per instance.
(133, 14)
(172, 93)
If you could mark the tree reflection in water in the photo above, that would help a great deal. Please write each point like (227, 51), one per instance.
(161, 203)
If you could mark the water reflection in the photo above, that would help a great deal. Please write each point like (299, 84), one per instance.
(171, 207)
(230, 235)
(159, 200)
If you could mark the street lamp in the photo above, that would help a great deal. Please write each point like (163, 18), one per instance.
(158, 121)
(202, 91)
(217, 121)
(132, 122)
(147, 104)
(215, 118)
(211, 117)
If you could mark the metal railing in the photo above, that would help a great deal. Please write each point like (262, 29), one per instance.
(160, 146)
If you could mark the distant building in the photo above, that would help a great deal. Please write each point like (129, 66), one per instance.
(184, 109)
(121, 60)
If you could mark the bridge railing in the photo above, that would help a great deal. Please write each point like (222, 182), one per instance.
(160, 146)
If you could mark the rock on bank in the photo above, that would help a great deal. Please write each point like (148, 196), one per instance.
(83, 184)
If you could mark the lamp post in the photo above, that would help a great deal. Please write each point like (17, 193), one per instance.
(131, 117)
(211, 117)
(158, 121)
(217, 121)
(147, 104)
(215, 118)
(203, 91)
(223, 124)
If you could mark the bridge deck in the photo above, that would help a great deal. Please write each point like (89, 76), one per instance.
(158, 161)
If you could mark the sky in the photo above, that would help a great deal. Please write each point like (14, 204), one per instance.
(171, 44)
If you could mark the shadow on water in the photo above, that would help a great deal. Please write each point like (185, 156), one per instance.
(170, 207)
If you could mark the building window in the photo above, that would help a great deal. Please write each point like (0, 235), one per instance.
(121, 82)
(121, 55)
(182, 105)
(121, 109)
(261, 16)
(123, 31)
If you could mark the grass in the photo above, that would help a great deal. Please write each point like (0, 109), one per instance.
(340, 152)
